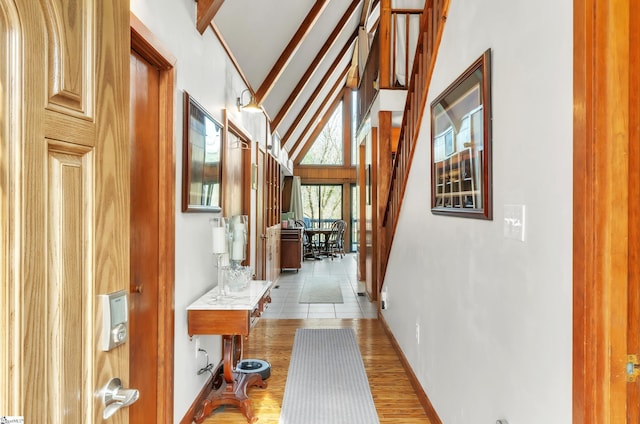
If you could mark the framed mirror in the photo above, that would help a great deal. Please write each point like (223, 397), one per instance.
(461, 145)
(201, 159)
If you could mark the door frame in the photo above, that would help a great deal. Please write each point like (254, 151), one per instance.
(605, 117)
(148, 46)
(261, 224)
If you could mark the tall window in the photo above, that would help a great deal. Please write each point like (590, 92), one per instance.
(328, 148)
(321, 204)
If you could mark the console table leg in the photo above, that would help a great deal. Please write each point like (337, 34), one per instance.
(235, 394)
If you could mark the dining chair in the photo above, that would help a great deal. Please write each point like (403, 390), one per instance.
(309, 250)
(335, 240)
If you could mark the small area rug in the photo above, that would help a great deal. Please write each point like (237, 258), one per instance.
(321, 290)
(327, 382)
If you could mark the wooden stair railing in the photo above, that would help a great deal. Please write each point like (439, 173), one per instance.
(379, 74)
(431, 27)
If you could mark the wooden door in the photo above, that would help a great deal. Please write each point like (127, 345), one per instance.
(261, 228)
(143, 324)
(237, 175)
(64, 156)
(152, 227)
(233, 172)
(362, 213)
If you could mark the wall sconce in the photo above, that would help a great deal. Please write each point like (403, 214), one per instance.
(236, 143)
(252, 106)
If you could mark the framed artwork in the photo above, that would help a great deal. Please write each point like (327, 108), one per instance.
(461, 145)
(201, 159)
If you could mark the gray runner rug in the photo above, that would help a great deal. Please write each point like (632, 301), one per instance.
(321, 290)
(327, 382)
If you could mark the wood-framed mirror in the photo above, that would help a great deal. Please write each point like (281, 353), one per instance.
(201, 159)
(461, 145)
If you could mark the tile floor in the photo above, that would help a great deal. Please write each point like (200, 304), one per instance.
(285, 295)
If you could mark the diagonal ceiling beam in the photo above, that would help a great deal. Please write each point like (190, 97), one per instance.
(303, 30)
(316, 124)
(207, 9)
(233, 59)
(312, 98)
(284, 110)
(319, 127)
(306, 107)
(295, 94)
(316, 92)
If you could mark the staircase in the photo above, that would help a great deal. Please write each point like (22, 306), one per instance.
(431, 28)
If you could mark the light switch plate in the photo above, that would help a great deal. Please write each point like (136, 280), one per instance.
(514, 222)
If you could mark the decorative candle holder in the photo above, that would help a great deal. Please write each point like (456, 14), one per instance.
(237, 276)
(219, 248)
(237, 239)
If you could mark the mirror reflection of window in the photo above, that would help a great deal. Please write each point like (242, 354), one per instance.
(461, 144)
(202, 171)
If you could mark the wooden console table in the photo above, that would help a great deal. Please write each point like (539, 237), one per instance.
(232, 317)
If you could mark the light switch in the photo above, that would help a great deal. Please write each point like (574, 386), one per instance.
(514, 220)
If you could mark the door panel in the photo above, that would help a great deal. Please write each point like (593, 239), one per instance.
(65, 201)
(68, 366)
(144, 236)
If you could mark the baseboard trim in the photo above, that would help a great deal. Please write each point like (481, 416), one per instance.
(204, 393)
(422, 396)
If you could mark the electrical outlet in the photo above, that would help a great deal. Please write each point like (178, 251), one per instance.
(418, 332)
(197, 343)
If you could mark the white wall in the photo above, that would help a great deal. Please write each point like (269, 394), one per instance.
(203, 70)
(495, 313)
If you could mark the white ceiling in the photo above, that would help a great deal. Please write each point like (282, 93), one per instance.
(257, 32)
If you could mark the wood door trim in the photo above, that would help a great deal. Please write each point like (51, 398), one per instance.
(246, 180)
(148, 46)
(633, 411)
(600, 210)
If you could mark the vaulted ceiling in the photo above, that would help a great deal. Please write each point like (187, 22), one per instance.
(296, 56)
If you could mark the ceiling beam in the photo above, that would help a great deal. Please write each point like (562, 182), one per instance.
(296, 41)
(312, 98)
(304, 80)
(319, 127)
(313, 119)
(316, 124)
(311, 69)
(233, 59)
(207, 9)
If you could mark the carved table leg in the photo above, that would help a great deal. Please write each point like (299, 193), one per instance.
(234, 394)
(233, 390)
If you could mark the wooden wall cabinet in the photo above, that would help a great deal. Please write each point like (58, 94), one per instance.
(291, 248)
(272, 260)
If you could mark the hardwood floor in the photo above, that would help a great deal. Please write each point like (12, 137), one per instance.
(272, 340)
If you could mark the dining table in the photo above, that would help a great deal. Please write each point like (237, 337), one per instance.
(322, 235)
